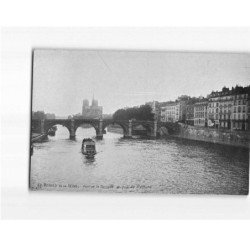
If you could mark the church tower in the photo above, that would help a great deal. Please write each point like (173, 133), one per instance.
(94, 102)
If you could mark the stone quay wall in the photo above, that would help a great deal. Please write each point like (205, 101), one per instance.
(35, 137)
(220, 136)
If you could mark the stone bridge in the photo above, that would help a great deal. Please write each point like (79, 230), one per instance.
(152, 127)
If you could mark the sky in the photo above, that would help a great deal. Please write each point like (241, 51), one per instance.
(117, 79)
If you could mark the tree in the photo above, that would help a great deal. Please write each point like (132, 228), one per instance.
(38, 115)
(225, 89)
(183, 98)
(144, 112)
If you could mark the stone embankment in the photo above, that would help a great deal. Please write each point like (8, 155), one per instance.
(220, 136)
(36, 137)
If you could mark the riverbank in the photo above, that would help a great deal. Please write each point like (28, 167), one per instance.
(225, 137)
(36, 137)
(211, 135)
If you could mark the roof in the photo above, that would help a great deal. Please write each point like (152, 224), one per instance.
(87, 140)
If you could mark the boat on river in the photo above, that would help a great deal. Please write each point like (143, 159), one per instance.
(52, 131)
(88, 148)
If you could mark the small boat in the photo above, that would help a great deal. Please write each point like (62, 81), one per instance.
(52, 131)
(88, 148)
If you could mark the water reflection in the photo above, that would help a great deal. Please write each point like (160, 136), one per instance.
(88, 161)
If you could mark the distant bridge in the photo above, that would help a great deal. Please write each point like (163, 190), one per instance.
(152, 127)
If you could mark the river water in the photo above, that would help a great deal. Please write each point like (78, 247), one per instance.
(138, 165)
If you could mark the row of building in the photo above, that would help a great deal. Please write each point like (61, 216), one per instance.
(229, 109)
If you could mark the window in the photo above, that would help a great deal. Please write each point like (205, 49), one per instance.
(239, 109)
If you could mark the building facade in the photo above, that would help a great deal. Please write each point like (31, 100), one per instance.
(220, 109)
(170, 112)
(92, 111)
(240, 111)
(225, 110)
(229, 109)
(213, 110)
(189, 114)
(200, 113)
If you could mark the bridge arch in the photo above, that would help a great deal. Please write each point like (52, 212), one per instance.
(147, 125)
(123, 125)
(49, 124)
(93, 124)
(152, 127)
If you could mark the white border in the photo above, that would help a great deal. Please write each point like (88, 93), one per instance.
(125, 13)
(18, 202)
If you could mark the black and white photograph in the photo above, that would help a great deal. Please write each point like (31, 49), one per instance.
(124, 121)
(125, 125)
